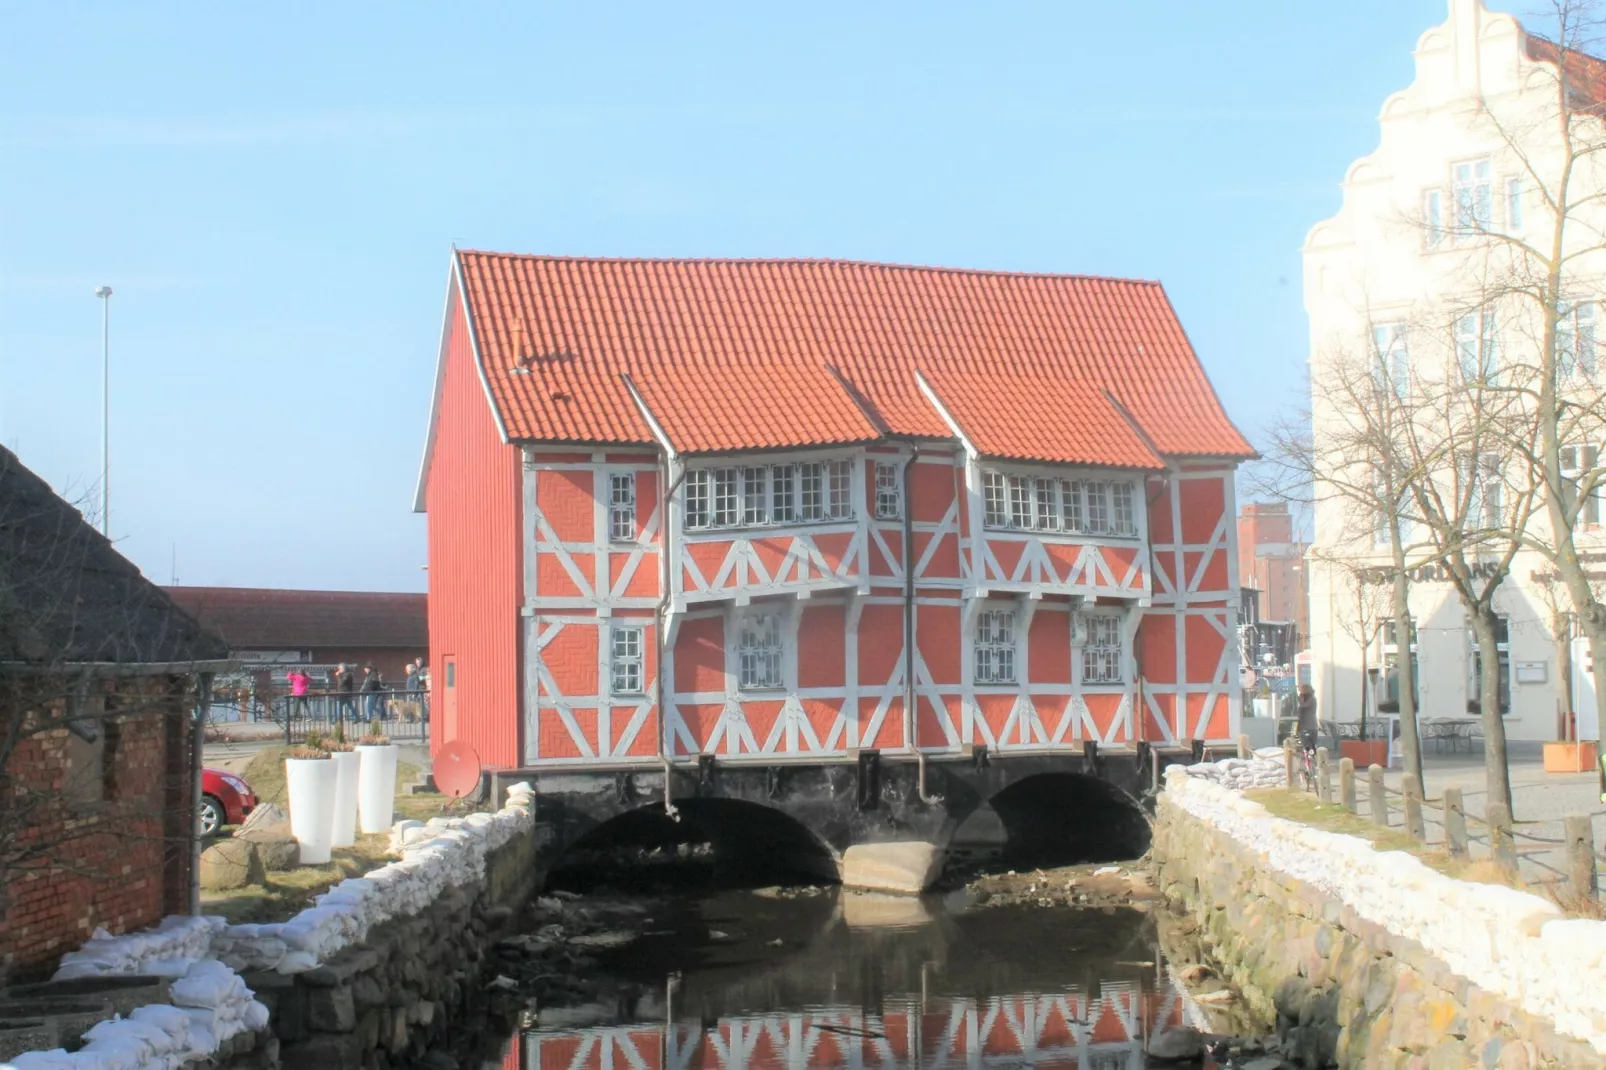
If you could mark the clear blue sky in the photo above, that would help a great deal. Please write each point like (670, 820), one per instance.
(273, 189)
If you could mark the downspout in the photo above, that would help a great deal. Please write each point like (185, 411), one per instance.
(666, 494)
(203, 695)
(909, 631)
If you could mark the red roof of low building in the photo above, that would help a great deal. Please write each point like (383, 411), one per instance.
(257, 618)
(753, 354)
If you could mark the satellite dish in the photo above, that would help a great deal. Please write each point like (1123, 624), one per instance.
(457, 769)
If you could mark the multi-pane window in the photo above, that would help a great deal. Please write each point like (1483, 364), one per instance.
(1502, 638)
(1475, 348)
(888, 492)
(1482, 488)
(761, 495)
(1391, 358)
(1473, 198)
(1073, 506)
(812, 477)
(759, 653)
(783, 493)
(995, 647)
(755, 495)
(839, 487)
(1578, 465)
(1513, 204)
(1104, 652)
(622, 506)
(1575, 340)
(725, 498)
(992, 490)
(1433, 218)
(625, 661)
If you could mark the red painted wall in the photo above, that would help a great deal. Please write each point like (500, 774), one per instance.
(473, 498)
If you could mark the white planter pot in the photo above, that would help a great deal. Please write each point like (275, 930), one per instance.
(346, 762)
(312, 784)
(376, 787)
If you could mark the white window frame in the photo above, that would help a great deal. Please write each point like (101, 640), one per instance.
(1484, 485)
(1477, 347)
(760, 649)
(1573, 473)
(1513, 202)
(996, 648)
(1502, 651)
(1472, 198)
(1015, 500)
(621, 507)
(1432, 218)
(888, 491)
(1104, 648)
(1391, 357)
(730, 497)
(627, 665)
(1577, 354)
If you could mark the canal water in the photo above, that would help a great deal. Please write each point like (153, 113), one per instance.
(818, 977)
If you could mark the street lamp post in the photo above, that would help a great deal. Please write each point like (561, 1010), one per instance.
(105, 295)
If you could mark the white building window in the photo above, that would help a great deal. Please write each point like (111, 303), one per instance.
(755, 495)
(1124, 515)
(1473, 199)
(1391, 358)
(992, 489)
(812, 477)
(698, 485)
(625, 661)
(888, 492)
(1104, 652)
(1578, 465)
(759, 652)
(1098, 507)
(1481, 487)
(840, 489)
(622, 506)
(1502, 636)
(1575, 340)
(1047, 493)
(783, 493)
(1071, 500)
(726, 498)
(1513, 204)
(1020, 502)
(995, 647)
(1476, 351)
(1433, 218)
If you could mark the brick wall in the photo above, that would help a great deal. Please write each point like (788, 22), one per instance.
(109, 842)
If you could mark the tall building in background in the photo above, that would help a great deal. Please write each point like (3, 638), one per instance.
(1271, 559)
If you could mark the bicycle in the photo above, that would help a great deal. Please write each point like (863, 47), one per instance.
(1307, 762)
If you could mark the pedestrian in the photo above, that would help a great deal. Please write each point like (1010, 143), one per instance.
(370, 690)
(1307, 716)
(345, 692)
(300, 683)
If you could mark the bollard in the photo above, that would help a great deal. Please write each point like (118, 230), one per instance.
(1243, 746)
(1502, 848)
(1414, 827)
(1455, 824)
(1377, 798)
(1580, 856)
(1346, 783)
(1288, 763)
(1324, 777)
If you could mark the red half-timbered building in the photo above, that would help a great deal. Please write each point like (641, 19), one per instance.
(702, 507)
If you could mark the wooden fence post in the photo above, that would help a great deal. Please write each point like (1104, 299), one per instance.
(1324, 777)
(1455, 823)
(1377, 796)
(1413, 808)
(1502, 848)
(1288, 762)
(1580, 856)
(1243, 746)
(1346, 783)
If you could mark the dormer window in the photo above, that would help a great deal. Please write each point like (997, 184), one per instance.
(765, 495)
(1065, 506)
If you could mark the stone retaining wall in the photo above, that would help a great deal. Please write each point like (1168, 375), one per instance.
(1342, 975)
(389, 999)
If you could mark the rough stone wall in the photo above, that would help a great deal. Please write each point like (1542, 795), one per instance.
(114, 830)
(390, 999)
(1343, 989)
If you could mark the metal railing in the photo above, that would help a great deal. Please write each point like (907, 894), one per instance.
(403, 715)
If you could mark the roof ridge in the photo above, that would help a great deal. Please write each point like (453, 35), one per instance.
(808, 261)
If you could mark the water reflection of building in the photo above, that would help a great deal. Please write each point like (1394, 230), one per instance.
(1104, 1030)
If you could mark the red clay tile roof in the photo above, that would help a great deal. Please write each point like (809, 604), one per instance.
(1020, 417)
(1586, 74)
(256, 618)
(706, 337)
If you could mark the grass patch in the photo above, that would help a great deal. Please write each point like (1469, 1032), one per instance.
(290, 892)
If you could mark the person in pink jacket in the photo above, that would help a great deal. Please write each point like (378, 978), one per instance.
(299, 683)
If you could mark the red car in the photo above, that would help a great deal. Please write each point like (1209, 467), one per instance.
(226, 799)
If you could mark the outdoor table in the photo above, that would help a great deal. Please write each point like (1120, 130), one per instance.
(1449, 732)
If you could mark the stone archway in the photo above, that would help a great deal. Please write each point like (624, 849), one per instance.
(1060, 818)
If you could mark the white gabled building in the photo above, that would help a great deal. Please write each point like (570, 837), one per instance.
(1463, 154)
